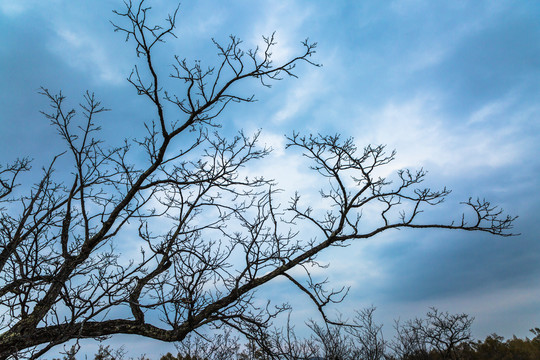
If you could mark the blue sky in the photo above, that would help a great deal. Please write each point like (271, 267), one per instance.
(453, 86)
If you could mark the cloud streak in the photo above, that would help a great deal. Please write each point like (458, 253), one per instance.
(87, 54)
(424, 137)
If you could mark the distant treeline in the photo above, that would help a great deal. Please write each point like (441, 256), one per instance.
(438, 336)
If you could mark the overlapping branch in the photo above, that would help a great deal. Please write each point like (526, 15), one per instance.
(181, 241)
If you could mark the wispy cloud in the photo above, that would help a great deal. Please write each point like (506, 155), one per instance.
(423, 136)
(492, 109)
(89, 54)
(286, 19)
(16, 8)
(299, 98)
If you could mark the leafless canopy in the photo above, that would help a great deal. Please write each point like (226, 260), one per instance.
(439, 332)
(209, 237)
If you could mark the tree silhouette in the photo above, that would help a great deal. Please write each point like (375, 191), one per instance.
(440, 332)
(210, 236)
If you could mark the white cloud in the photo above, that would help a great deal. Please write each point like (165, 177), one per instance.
(287, 167)
(423, 136)
(285, 18)
(207, 24)
(85, 52)
(15, 7)
(491, 109)
(274, 141)
(301, 96)
(12, 8)
(426, 57)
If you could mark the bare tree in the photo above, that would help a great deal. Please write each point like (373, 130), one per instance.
(409, 342)
(208, 236)
(286, 345)
(441, 332)
(445, 331)
(360, 338)
(222, 346)
(334, 341)
(367, 335)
